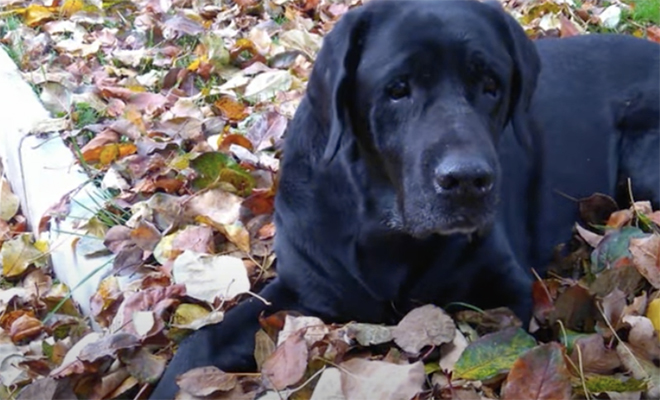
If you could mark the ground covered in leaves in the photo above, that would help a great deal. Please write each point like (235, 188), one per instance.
(176, 110)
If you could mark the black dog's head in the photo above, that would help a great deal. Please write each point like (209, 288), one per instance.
(423, 89)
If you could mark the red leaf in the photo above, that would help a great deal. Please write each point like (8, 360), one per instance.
(540, 373)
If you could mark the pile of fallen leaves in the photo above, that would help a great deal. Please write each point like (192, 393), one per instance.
(176, 110)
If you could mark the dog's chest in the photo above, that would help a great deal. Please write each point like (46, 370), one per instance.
(407, 272)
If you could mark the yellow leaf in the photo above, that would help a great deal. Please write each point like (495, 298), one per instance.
(186, 314)
(126, 149)
(653, 313)
(109, 153)
(181, 162)
(55, 295)
(70, 7)
(237, 234)
(41, 245)
(137, 88)
(8, 202)
(193, 66)
(36, 14)
(92, 155)
(231, 109)
(18, 254)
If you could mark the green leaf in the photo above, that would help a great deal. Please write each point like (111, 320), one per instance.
(606, 383)
(208, 167)
(430, 368)
(493, 354)
(214, 167)
(614, 248)
(569, 339)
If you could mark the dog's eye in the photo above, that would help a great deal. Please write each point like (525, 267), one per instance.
(398, 89)
(490, 86)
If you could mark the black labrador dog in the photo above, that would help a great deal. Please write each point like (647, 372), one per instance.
(392, 192)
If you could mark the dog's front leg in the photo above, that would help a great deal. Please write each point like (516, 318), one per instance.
(501, 281)
(228, 345)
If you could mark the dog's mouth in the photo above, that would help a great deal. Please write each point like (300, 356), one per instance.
(464, 223)
(447, 219)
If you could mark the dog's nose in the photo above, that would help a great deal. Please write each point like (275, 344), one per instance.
(472, 178)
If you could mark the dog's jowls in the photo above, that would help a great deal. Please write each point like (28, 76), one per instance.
(414, 160)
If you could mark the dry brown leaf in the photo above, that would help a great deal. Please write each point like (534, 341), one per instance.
(362, 379)
(287, 365)
(205, 381)
(108, 346)
(646, 257)
(620, 218)
(541, 373)
(594, 357)
(264, 347)
(144, 366)
(25, 327)
(593, 239)
(145, 236)
(313, 329)
(424, 326)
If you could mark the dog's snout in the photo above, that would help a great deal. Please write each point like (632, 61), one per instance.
(472, 178)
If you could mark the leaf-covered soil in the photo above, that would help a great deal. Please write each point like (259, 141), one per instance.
(176, 110)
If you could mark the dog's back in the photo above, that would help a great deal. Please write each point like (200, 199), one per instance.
(596, 109)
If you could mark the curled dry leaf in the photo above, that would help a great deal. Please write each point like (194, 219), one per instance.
(369, 334)
(25, 327)
(312, 328)
(451, 352)
(362, 379)
(209, 276)
(428, 325)
(541, 373)
(643, 337)
(596, 208)
(156, 299)
(613, 306)
(620, 218)
(594, 356)
(205, 381)
(576, 308)
(71, 364)
(287, 365)
(108, 346)
(593, 239)
(646, 257)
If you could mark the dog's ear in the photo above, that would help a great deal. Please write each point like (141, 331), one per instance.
(527, 68)
(331, 83)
